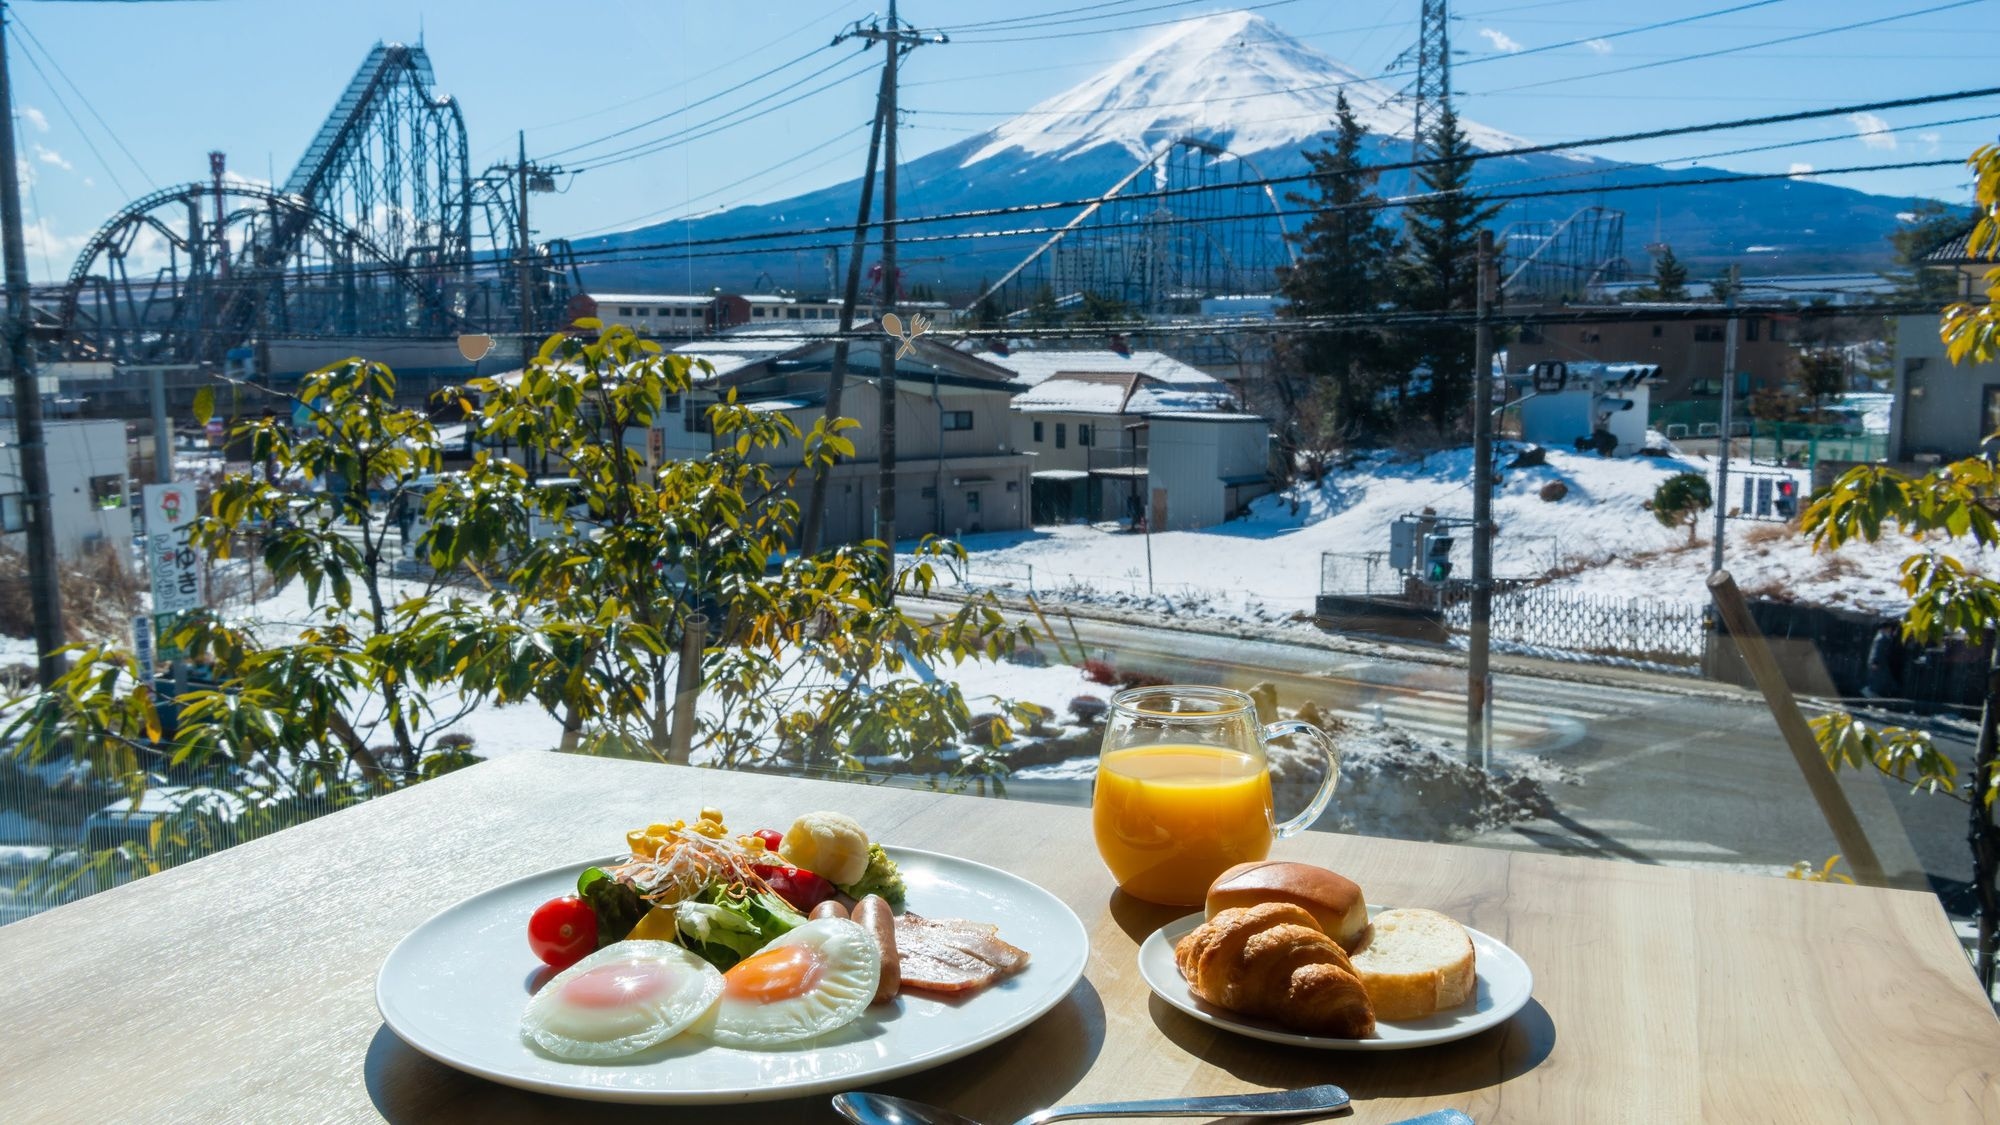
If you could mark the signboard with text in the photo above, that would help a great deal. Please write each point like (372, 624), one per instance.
(172, 558)
(142, 645)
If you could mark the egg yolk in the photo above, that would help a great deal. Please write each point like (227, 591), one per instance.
(775, 974)
(615, 986)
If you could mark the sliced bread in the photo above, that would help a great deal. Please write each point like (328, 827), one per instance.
(1415, 963)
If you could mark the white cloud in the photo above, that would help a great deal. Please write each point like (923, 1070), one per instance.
(1931, 142)
(51, 156)
(36, 118)
(1598, 46)
(1501, 40)
(40, 240)
(1799, 171)
(1873, 131)
(231, 176)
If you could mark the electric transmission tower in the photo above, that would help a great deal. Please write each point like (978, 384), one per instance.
(1431, 92)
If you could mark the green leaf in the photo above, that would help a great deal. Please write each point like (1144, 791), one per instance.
(204, 404)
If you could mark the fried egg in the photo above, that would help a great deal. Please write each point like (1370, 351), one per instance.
(621, 999)
(806, 982)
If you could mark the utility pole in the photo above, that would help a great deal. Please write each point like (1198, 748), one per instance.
(526, 265)
(30, 436)
(836, 380)
(1721, 497)
(898, 39)
(1478, 669)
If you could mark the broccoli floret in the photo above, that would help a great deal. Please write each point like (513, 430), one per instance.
(881, 878)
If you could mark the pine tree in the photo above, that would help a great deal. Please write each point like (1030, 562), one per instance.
(1441, 269)
(1328, 382)
(1669, 276)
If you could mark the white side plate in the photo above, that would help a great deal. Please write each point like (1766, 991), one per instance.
(454, 989)
(1504, 986)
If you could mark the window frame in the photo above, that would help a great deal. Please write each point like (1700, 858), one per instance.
(955, 421)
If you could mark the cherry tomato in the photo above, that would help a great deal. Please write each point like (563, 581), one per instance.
(562, 931)
(801, 888)
(771, 837)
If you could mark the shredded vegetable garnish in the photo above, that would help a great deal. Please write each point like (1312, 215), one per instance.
(690, 862)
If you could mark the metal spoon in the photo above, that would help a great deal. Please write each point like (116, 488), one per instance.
(881, 1109)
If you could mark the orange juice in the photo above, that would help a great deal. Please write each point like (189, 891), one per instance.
(1171, 817)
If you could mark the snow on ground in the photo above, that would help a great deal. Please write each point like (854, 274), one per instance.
(1598, 539)
(499, 730)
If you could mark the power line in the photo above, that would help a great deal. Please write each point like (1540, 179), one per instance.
(751, 81)
(1719, 51)
(1362, 81)
(1394, 166)
(1131, 27)
(762, 47)
(81, 133)
(793, 159)
(627, 254)
(56, 65)
(1609, 35)
(1044, 19)
(720, 122)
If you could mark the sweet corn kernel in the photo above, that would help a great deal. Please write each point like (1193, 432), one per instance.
(710, 828)
(751, 843)
(711, 813)
(636, 842)
(658, 829)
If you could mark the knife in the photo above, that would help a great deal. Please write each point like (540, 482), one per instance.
(1440, 1117)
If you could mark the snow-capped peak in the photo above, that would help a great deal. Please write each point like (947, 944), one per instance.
(1233, 78)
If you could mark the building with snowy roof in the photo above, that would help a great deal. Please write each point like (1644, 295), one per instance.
(1090, 419)
(959, 468)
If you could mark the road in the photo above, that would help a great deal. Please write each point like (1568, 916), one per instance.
(1661, 775)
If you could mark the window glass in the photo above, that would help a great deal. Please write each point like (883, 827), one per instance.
(972, 503)
(13, 513)
(107, 491)
(1990, 409)
(1062, 435)
(957, 419)
(1085, 432)
(1038, 433)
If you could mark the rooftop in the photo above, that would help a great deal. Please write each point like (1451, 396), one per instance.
(1034, 365)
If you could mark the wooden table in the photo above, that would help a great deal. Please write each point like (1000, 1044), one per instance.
(241, 987)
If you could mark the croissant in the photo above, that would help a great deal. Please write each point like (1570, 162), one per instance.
(1273, 961)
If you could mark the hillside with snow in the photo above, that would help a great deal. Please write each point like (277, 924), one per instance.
(1599, 539)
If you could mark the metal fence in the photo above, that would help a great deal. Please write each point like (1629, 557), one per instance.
(1657, 630)
(1359, 574)
(1650, 629)
(66, 834)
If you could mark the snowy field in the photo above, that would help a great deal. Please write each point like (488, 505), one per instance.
(1598, 539)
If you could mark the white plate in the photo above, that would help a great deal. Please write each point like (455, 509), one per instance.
(1504, 985)
(454, 989)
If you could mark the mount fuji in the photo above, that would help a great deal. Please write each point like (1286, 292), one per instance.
(1238, 82)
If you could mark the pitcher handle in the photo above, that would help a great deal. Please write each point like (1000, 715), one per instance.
(1330, 750)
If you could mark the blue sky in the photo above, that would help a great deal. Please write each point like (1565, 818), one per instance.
(254, 78)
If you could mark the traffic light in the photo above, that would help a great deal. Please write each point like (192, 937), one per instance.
(1437, 557)
(1786, 504)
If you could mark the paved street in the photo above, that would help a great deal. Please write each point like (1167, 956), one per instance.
(1660, 775)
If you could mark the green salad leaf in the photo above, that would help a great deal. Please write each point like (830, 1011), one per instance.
(617, 905)
(723, 930)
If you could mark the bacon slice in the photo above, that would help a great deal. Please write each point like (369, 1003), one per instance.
(952, 955)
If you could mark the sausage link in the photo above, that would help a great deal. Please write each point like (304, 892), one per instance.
(875, 914)
(828, 909)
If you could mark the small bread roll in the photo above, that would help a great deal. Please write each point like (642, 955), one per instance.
(1333, 900)
(1416, 963)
